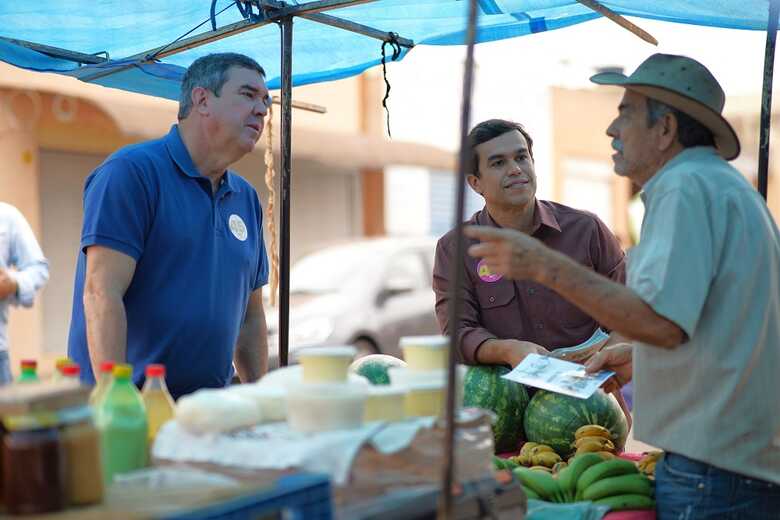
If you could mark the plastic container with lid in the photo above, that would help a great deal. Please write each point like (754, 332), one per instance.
(29, 373)
(158, 401)
(425, 399)
(321, 407)
(385, 403)
(81, 446)
(326, 364)
(33, 465)
(425, 352)
(121, 419)
(103, 381)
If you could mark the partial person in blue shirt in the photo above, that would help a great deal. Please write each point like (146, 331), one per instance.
(23, 271)
(172, 259)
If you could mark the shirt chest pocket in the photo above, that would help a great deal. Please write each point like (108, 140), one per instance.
(495, 295)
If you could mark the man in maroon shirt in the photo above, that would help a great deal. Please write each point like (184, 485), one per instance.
(505, 320)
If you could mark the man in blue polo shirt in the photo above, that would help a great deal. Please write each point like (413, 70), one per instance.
(172, 259)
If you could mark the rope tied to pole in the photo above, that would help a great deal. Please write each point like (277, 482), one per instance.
(270, 174)
(393, 42)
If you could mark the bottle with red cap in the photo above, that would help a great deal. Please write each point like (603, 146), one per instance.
(103, 381)
(158, 401)
(29, 372)
(70, 372)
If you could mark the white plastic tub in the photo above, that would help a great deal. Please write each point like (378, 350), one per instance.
(385, 403)
(326, 364)
(425, 352)
(315, 408)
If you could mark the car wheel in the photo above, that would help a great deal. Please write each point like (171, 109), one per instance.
(365, 347)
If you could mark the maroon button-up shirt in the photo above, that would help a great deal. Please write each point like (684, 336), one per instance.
(506, 309)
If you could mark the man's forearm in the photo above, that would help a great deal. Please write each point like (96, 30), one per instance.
(106, 325)
(251, 354)
(613, 305)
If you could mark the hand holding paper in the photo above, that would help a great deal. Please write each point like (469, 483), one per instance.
(558, 376)
(617, 358)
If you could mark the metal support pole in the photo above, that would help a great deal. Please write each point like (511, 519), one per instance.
(457, 274)
(284, 231)
(766, 98)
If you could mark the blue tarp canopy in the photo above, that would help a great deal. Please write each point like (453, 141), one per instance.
(125, 29)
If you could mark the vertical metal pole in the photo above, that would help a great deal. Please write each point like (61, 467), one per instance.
(766, 98)
(446, 499)
(284, 231)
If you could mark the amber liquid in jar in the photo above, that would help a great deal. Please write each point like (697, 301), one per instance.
(33, 471)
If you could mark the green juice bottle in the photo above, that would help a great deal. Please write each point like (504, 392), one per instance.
(29, 372)
(121, 419)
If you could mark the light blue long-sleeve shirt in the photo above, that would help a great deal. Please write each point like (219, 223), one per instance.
(22, 258)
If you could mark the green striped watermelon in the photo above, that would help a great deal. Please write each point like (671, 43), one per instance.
(483, 387)
(552, 419)
(374, 367)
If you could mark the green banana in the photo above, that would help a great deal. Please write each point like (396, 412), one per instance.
(605, 469)
(530, 493)
(622, 485)
(569, 476)
(498, 463)
(539, 482)
(621, 502)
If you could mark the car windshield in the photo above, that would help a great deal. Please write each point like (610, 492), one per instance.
(330, 270)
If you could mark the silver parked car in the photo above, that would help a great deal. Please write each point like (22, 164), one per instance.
(367, 294)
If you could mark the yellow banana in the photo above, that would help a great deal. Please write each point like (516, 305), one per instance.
(594, 446)
(602, 441)
(527, 447)
(540, 448)
(545, 458)
(592, 430)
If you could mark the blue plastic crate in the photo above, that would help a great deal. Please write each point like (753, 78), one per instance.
(295, 497)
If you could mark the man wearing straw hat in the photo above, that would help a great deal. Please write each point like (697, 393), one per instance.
(702, 299)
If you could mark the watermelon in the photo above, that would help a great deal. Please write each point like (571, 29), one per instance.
(374, 367)
(552, 419)
(483, 387)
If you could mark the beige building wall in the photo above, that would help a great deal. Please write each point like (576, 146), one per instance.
(582, 166)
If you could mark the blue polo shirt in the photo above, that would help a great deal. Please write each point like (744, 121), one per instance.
(199, 255)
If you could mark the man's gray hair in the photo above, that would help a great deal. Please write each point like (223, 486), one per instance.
(211, 73)
(690, 132)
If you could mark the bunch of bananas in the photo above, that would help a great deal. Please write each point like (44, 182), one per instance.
(616, 483)
(646, 464)
(593, 438)
(537, 456)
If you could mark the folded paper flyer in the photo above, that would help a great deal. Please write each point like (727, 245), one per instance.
(556, 375)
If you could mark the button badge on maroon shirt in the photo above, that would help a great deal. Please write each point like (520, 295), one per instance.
(485, 274)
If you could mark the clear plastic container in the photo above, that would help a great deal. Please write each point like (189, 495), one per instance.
(425, 352)
(321, 407)
(104, 378)
(121, 419)
(326, 364)
(81, 446)
(425, 399)
(385, 403)
(158, 401)
(33, 465)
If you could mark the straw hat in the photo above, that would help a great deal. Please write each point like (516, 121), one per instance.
(685, 84)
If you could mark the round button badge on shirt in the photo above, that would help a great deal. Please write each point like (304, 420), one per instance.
(237, 227)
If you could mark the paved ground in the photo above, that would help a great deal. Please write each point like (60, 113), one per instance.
(635, 446)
